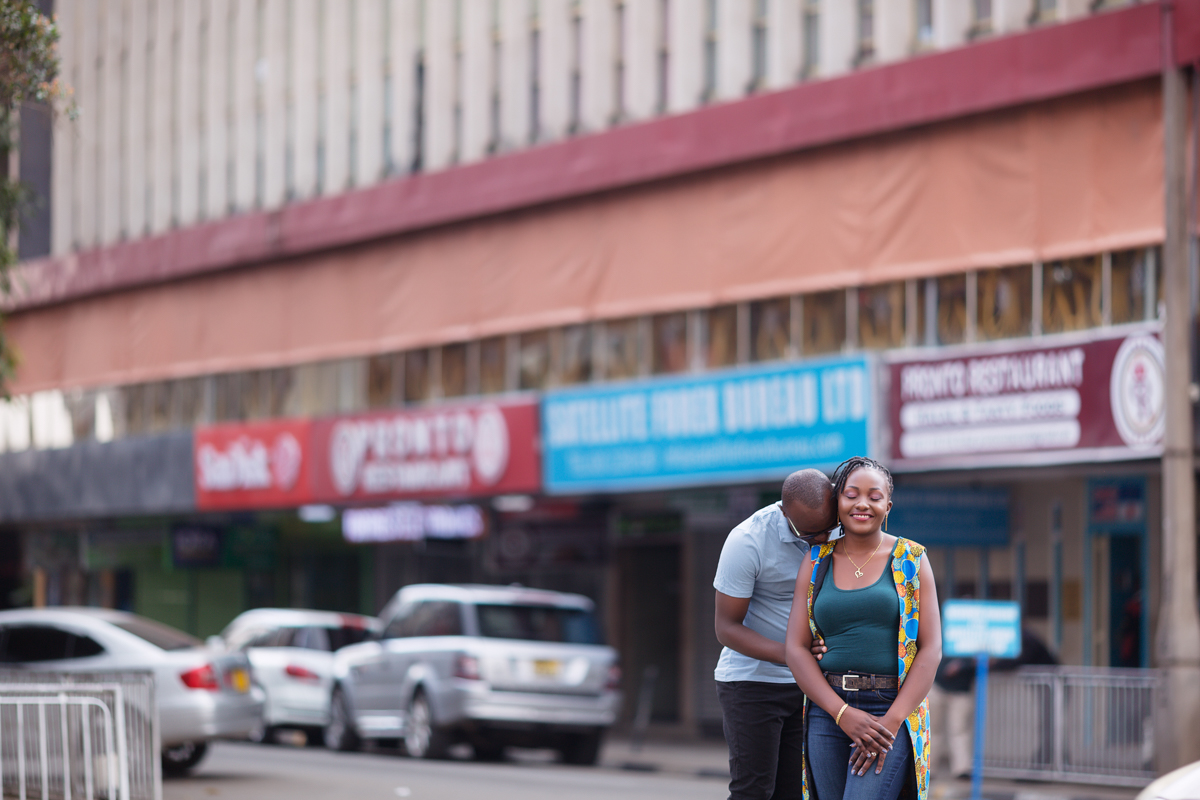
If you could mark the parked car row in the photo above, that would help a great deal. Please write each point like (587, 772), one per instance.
(491, 666)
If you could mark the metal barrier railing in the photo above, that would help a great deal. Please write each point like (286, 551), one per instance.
(67, 736)
(1078, 724)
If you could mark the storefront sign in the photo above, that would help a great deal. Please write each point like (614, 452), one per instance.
(195, 546)
(254, 465)
(410, 522)
(950, 517)
(456, 451)
(738, 426)
(1076, 400)
(975, 627)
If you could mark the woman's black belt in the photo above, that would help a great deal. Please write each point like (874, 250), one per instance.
(859, 681)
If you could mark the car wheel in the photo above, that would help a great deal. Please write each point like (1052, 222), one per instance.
(583, 749)
(340, 734)
(422, 738)
(179, 759)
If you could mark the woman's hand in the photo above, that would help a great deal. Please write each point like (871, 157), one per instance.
(860, 761)
(870, 736)
(819, 649)
(860, 758)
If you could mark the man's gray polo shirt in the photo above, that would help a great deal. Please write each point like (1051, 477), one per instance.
(760, 560)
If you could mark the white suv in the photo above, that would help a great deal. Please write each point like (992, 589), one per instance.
(490, 665)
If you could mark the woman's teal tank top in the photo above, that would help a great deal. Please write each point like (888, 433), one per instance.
(860, 626)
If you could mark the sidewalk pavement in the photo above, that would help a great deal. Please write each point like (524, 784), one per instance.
(708, 758)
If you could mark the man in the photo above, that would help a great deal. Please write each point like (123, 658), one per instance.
(755, 581)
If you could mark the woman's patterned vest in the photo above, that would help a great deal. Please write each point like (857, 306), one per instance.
(906, 563)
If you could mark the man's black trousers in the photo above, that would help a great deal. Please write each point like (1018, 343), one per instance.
(764, 728)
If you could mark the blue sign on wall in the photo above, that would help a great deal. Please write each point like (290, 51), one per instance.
(950, 517)
(981, 627)
(730, 427)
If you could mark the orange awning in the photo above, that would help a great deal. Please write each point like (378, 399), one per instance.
(1064, 177)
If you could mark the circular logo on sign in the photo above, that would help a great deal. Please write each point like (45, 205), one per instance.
(490, 452)
(1137, 391)
(345, 455)
(285, 461)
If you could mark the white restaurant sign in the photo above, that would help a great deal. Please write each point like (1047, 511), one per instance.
(1062, 400)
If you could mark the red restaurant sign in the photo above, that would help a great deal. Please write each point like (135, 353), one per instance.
(1084, 399)
(452, 451)
(255, 465)
(465, 450)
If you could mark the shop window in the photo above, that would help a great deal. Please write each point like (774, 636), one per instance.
(1037, 600)
(670, 343)
(81, 406)
(158, 406)
(1005, 302)
(256, 391)
(964, 589)
(621, 356)
(770, 329)
(384, 374)
(924, 14)
(824, 329)
(279, 391)
(881, 315)
(952, 309)
(1160, 308)
(576, 364)
(1000, 590)
(720, 336)
(866, 30)
(982, 12)
(133, 400)
(811, 31)
(924, 288)
(1130, 273)
(1071, 292)
(417, 380)
(493, 365)
(188, 400)
(454, 370)
(227, 398)
(1044, 11)
(533, 359)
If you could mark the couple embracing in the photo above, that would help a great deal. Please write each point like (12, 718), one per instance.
(849, 622)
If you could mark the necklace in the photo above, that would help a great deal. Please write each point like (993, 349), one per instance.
(858, 573)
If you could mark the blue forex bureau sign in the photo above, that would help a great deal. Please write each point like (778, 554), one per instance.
(733, 426)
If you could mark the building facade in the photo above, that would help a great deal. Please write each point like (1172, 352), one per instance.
(701, 244)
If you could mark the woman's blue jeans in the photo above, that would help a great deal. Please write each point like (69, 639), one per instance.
(829, 753)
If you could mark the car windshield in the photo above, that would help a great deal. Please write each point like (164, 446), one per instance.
(157, 634)
(538, 623)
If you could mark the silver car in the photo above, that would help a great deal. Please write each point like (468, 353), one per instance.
(202, 695)
(291, 655)
(494, 666)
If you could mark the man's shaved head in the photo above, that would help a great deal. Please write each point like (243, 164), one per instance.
(809, 487)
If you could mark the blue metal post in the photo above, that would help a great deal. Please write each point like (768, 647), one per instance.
(981, 675)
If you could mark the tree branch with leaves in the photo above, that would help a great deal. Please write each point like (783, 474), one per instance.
(28, 74)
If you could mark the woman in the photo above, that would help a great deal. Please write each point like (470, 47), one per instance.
(867, 725)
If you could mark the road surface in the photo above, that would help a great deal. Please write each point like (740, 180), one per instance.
(264, 772)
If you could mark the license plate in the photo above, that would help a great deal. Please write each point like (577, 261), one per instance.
(240, 680)
(546, 668)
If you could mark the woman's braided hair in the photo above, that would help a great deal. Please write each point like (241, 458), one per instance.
(858, 462)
